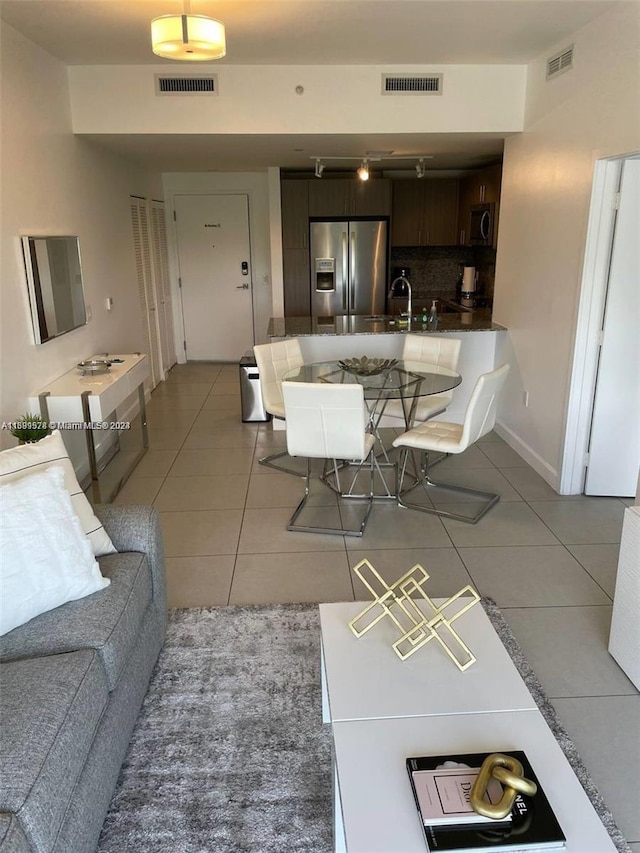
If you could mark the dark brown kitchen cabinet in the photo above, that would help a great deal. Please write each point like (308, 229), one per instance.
(425, 212)
(441, 211)
(295, 214)
(490, 183)
(332, 197)
(297, 287)
(407, 216)
(371, 198)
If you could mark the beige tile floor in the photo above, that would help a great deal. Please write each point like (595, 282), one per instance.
(548, 561)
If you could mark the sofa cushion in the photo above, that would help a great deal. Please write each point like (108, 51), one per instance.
(50, 709)
(30, 458)
(108, 621)
(46, 558)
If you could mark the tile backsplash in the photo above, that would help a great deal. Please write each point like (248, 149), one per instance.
(435, 270)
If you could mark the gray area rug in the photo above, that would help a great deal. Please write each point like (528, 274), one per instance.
(229, 753)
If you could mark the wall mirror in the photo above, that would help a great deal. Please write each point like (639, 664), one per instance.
(56, 294)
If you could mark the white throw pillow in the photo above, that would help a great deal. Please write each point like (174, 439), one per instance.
(31, 458)
(46, 559)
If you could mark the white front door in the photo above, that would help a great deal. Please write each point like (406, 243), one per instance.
(212, 234)
(614, 446)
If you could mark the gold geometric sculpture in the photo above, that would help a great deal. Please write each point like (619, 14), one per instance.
(416, 627)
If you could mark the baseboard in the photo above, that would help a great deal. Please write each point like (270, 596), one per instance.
(539, 465)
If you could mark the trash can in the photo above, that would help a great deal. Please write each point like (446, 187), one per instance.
(250, 391)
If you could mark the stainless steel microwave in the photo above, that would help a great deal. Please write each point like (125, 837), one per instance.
(481, 224)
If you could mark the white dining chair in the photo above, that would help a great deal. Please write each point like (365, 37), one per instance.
(447, 438)
(326, 421)
(273, 362)
(429, 350)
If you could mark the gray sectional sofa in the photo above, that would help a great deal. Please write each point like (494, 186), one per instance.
(71, 685)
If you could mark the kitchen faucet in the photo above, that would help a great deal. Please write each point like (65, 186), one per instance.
(392, 294)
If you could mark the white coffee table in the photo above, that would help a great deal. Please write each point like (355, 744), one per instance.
(364, 679)
(383, 710)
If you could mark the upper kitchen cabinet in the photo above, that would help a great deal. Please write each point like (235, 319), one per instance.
(295, 214)
(491, 183)
(481, 187)
(348, 197)
(371, 198)
(297, 292)
(425, 212)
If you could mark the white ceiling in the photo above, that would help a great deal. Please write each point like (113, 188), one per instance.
(299, 32)
(310, 32)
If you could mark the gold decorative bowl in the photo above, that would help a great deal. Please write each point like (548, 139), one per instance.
(366, 366)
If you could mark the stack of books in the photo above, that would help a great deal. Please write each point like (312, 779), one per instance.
(441, 788)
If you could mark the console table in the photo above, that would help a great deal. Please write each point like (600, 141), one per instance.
(382, 711)
(84, 401)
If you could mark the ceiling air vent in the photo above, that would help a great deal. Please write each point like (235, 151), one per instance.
(201, 85)
(560, 63)
(411, 84)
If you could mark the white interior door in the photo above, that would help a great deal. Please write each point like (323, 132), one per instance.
(614, 446)
(212, 234)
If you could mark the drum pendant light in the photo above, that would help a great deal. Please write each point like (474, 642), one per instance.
(194, 38)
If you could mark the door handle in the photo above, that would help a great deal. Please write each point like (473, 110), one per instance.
(484, 225)
(244, 286)
(345, 272)
(352, 272)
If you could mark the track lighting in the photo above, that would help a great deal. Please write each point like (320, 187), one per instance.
(363, 171)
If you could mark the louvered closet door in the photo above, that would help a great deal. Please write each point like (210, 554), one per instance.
(144, 273)
(163, 289)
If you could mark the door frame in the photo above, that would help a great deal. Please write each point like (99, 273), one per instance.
(178, 314)
(586, 353)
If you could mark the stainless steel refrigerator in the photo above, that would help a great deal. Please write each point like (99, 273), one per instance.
(349, 272)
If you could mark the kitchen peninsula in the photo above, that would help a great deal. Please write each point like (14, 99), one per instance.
(325, 338)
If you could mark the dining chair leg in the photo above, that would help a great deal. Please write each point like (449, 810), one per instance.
(376, 466)
(299, 528)
(490, 498)
(269, 462)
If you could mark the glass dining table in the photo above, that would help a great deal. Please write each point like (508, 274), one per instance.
(397, 379)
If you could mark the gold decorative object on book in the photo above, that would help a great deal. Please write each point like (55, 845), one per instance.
(417, 628)
(510, 773)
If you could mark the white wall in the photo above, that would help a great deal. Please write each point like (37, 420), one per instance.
(262, 99)
(256, 186)
(585, 114)
(53, 183)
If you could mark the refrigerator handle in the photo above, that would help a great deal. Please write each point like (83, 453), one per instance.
(352, 272)
(345, 271)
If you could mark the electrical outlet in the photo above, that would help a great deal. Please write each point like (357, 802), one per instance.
(525, 399)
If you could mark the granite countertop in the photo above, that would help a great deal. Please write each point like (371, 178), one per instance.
(478, 320)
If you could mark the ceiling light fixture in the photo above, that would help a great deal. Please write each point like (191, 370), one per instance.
(363, 171)
(194, 38)
(420, 169)
(319, 168)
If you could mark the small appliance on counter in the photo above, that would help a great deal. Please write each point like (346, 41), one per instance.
(469, 283)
